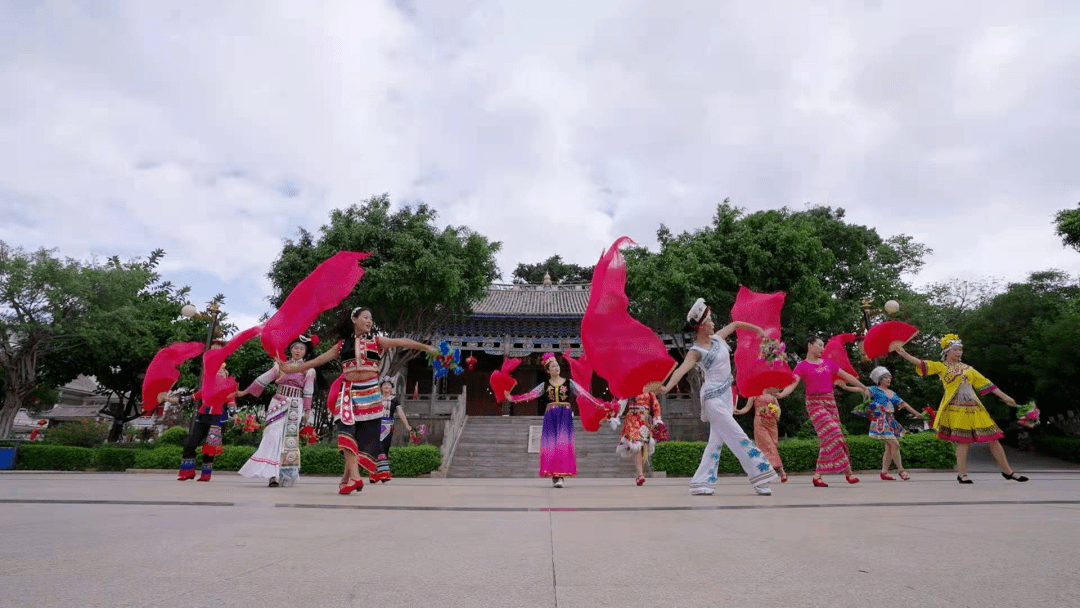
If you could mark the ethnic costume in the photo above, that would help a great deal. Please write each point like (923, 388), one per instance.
(278, 455)
(821, 407)
(961, 417)
(359, 408)
(205, 431)
(557, 455)
(766, 430)
(883, 422)
(636, 433)
(718, 406)
(386, 436)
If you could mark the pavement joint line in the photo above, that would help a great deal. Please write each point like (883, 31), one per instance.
(536, 509)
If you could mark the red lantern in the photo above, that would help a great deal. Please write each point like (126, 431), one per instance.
(470, 362)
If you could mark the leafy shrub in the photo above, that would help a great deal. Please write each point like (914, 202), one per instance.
(918, 451)
(1066, 448)
(161, 457)
(413, 460)
(46, 457)
(82, 433)
(173, 436)
(233, 457)
(233, 434)
(115, 458)
(321, 459)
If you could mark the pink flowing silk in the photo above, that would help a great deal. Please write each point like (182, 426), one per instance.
(879, 337)
(753, 374)
(215, 389)
(592, 410)
(163, 373)
(320, 291)
(334, 395)
(501, 381)
(621, 349)
(836, 351)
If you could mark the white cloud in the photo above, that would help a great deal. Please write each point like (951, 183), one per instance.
(215, 130)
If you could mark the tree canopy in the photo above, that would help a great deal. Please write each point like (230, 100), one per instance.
(559, 271)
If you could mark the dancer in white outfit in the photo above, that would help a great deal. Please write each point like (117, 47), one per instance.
(711, 354)
(278, 456)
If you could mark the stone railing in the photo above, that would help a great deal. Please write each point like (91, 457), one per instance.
(451, 434)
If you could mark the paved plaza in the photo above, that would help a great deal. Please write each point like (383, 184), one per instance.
(126, 539)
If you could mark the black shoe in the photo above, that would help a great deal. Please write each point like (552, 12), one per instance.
(1014, 477)
(273, 482)
(961, 479)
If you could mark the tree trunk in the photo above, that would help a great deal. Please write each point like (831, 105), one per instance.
(7, 413)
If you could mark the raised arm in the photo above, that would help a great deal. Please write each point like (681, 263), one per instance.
(726, 330)
(690, 360)
(295, 368)
(529, 396)
(407, 343)
(898, 348)
(263, 381)
(847, 387)
(853, 380)
(787, 389)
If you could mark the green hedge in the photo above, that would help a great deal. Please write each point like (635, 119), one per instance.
(918, 451)
(173, 436)
(1066, 448)
(318, 459)
(45, 457)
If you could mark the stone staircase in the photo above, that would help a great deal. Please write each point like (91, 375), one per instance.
(497, 446)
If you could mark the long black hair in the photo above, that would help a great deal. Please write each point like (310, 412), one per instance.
(345, 326)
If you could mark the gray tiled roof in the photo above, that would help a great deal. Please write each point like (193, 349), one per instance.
(534, 300)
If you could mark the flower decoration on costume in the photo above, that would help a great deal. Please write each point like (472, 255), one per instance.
(417, 434)
(307, 433)
(772, 350)
(447, 360)
(771, 411)
(1027, 415)
(950, 340)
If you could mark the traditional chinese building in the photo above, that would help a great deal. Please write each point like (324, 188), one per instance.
(520, 321)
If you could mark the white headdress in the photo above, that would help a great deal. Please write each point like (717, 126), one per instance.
(878, 373)
(698, 312)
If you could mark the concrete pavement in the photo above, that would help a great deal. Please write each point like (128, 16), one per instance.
(100, 539)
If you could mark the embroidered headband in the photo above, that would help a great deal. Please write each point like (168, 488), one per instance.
(546, 357)
(698, 312)
(356, 311)
(878, 373)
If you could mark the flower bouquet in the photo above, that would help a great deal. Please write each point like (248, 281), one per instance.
(307, 433)
(929, 414)
(771, 411)
(772, 350)
(660, 432)
(446, 360)
(1027, 415)
(863, 409)
(417, 434)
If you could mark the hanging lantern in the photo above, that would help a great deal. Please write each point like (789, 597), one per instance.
(470, 363)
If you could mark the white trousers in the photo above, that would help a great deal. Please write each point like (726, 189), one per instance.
(723, 430)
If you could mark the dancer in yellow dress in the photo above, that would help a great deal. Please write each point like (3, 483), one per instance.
(961, 417)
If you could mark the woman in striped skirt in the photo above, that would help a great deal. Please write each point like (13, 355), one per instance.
(817, 373)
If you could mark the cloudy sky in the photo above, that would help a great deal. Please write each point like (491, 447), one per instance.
(215, 129)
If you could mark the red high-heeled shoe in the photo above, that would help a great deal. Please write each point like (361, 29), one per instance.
(356, 485)
(640, 481)
(185, 475)
(887, 477)
(851, 478)
(820, 483)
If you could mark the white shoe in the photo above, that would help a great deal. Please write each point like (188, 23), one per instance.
(763, 490)
(701, 491)
(558, 484)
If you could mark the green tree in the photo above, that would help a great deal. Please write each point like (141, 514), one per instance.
(39, 295)
(1067, 222)
(418, 278)
(825, 265)
(559, 271)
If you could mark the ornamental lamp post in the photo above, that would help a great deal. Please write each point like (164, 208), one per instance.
(213, 315)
